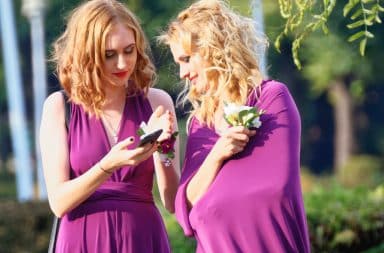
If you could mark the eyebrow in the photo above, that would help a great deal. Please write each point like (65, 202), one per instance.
(130, 45)
(182, 57)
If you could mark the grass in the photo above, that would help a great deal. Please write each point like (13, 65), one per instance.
(7, 185)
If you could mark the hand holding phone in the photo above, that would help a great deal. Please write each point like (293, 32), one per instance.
(150, 137)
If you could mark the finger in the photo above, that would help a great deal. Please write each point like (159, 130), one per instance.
(126, 142)
(249, 132)
(236, 149)
(145, 151)
(241, 144)
(238, 129)
(148, 147)
(158, 111)
(239, 137)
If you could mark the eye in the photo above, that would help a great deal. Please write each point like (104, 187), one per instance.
(186, 59)
(130, 49)
(109, 54)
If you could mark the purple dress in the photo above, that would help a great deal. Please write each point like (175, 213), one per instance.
(121, 215)
(255, 204)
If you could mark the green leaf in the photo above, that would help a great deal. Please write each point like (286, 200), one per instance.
(367, 11)
(324, 27)
(277, 42)
(363, 43)
(368, 21)
(369, 34)
(358, 13)
(140, 132)
(377, 18)
(242, 116)
(356, 36)
(368, 1)
(253, 110)
(349, 6)
(356, 24)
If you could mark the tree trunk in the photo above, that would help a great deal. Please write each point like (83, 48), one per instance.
(344, 138)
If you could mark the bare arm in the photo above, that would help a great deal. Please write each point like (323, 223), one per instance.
(65, 194)
(231, 142)
(167, 177)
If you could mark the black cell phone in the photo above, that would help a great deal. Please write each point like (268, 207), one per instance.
(150, 137)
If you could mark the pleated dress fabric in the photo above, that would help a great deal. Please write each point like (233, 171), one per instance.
(121, 215)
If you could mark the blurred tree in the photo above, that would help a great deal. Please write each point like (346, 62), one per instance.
(335, 67)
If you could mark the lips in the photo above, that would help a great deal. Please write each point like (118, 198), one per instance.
(120, 74)
(193, 80)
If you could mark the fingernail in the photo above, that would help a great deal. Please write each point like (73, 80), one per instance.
(131, 139)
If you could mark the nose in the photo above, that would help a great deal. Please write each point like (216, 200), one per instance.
(121, 62)
(184, 72)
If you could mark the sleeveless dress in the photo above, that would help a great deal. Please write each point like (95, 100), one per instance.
(255, 203)
(121, 215)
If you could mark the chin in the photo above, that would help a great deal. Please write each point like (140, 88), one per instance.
(200, 88)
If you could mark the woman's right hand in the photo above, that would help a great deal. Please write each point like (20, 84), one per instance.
(120, 155)
(231, 142)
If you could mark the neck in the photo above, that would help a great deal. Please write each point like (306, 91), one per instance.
(114, 98)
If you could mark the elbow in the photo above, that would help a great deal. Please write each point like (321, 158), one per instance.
(57, 211)
(168, 199)
(169, 204)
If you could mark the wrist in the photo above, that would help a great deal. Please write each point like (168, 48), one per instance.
(104, 168)
(215, 160)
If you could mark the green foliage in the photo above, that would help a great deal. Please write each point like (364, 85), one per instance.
(7, 184)
(301, 20)
(362, 170)
(327, 59)
(24, 227)
(345, 220)
(363, 13)
(179, 242)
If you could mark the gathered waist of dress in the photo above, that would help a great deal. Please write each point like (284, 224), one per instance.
(121, 191)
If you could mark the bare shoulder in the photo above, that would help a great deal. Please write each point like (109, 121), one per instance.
(159, 97)
(54, 105)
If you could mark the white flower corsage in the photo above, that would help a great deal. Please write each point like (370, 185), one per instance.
(242, 115)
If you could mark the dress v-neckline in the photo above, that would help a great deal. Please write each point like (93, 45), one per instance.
(122, 123)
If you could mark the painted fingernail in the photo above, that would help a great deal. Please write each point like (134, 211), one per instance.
(131, 139)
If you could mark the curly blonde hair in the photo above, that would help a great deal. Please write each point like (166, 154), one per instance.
(226, 40)
(79, 53)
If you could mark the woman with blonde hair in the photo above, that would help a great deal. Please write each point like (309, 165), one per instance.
(99, 180)
(240, 184)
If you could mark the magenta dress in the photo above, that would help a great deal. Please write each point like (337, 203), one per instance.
(255, 203)
(121, 215)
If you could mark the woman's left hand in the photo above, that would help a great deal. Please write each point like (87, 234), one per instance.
(161, 119)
